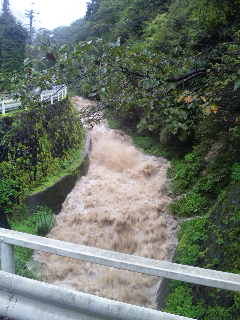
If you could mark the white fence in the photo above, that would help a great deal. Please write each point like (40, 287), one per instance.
(9, 105)
(58, 93)
(26, 299)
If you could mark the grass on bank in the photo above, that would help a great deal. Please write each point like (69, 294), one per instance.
(39, 223)
(42, 220)
(11, 113)
(146, 144)
(65, 167)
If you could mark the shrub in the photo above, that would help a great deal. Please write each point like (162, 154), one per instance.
(184, 172)
(189, 205)
(191, 235)
(236, 172)
(40, 223)
(180, 302)
(9, 192)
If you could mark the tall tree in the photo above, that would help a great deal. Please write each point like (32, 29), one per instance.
(13, 39)
(92, 8)
(6, 6)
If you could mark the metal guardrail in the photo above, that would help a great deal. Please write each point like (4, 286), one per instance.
(25, 299)
(58, 93)
(9, 238)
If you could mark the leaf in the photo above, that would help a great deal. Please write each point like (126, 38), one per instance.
(214, 108)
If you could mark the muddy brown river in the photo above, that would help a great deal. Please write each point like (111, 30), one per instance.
(119, 205)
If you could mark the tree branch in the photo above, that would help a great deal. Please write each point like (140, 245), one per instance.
(188, 76)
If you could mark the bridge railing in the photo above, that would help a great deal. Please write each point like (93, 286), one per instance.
(206, 277)
(58, 93)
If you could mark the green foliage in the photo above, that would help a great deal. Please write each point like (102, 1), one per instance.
(13, 38)
(216, 15)
(210, 184)
(236, 172)
(40, 223)
(9, 191)
(191, 235)
(180, 299)
(169, 73)
(184, 173)
(218, 312)
(149, 145)
(92, 8)
(35, 145)
(210, 242)
(223, 231)
(44, 221)
(190, 204)
(112, 19)
(180, 302)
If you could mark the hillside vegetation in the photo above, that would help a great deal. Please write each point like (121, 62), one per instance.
(169, 71)
(35, 145)
(39, 141)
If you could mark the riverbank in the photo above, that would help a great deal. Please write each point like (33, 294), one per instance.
(37, 144)
(205, 186)
(52, 167)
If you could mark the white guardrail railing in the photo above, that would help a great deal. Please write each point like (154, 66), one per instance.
(58, 93)
(25, 299)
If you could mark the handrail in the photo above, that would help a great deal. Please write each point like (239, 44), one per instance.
(56, 94)
(26, 299)
(169, 270)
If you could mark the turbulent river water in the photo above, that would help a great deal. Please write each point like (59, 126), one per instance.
(119, 205)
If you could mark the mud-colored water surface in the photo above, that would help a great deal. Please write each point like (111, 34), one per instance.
(119, 205)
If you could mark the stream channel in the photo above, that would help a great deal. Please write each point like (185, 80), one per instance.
(120, 204)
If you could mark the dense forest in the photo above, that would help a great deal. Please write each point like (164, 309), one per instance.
(167, 72)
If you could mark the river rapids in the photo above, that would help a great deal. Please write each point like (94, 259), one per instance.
(119, 205)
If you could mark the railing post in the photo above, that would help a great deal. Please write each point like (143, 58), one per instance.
(51, 99)
(7, 258)
(3, 108)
